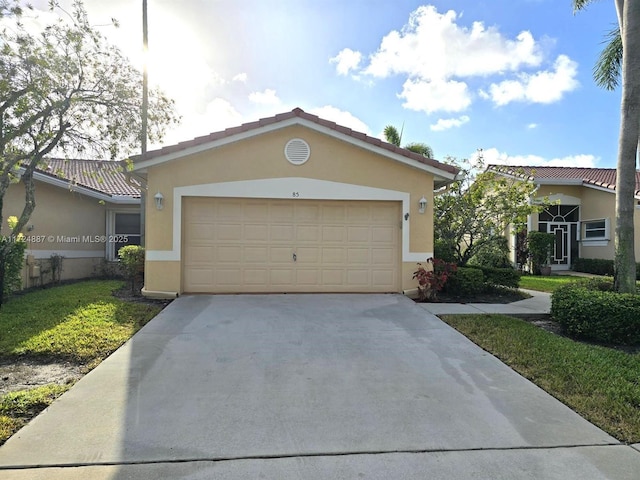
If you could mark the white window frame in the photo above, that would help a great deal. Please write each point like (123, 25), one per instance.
(600, 241)
(110, 252)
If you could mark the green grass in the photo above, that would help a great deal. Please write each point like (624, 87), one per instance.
(601, 384)
(81, 322)
(545, 284)
(17, 408)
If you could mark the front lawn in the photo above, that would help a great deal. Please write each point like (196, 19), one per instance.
(545, 284)
(80, 324)
(601, 384)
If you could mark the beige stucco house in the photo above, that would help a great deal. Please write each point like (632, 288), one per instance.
(85, 210)
(291, 203)
(582, 213)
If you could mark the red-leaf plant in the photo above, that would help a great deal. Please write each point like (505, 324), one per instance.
(432, 280)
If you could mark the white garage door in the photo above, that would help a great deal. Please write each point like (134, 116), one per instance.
(259, 245)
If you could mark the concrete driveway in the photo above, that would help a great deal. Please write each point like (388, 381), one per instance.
(308, 386)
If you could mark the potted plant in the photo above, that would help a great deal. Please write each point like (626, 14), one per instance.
(540, 246)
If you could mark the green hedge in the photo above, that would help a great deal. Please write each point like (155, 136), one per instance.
(502, 277)
(465, 281)
(592, 311)
(598, 266)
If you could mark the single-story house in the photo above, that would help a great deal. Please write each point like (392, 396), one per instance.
(85, 210)
(582, 210)
(290, 203)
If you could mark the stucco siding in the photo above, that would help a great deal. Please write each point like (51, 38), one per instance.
(262, 157)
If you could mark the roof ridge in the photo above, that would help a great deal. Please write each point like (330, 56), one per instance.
(299, 113)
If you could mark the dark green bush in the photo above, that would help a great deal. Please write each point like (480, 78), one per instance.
(503, 277)
(465, 281)
(591, 310)
(444, 251)
(12, 262)
(492, 254)
(598, 266)
(132, 260)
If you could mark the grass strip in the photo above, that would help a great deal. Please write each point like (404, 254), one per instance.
(79, 322)
(599, 383)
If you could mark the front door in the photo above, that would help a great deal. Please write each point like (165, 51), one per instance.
(561, 258)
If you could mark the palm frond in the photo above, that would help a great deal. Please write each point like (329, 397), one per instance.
(608, 69)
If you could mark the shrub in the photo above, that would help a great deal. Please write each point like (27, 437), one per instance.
(132, 259)
(598, 266)
(494, 254)
(466, 281)
(445, 251)
(12, 264)
(540, 246)
(592, 310)
(503, 277)
(431, 281)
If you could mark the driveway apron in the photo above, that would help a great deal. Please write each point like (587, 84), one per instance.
(231, 385)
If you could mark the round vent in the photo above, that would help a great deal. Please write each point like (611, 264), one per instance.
(297, 151)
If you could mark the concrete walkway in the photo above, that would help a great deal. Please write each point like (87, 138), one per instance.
(308, 387)
(539, 303)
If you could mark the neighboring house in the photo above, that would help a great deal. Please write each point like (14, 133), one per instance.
(582, 214)
(290, 203)
(84, 210)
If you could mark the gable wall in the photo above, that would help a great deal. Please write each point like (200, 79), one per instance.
(262, 157)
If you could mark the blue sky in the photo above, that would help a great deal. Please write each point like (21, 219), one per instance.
(512, 77)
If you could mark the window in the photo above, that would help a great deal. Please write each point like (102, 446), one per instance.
(123, 228)
(595, 231)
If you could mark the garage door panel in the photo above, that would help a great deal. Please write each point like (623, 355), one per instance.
(332, 233)
(280, 255)
(227, 254)
(228, 231)
(308, 233)
(248, 245)
(255, 276)
(282, 276)
(358, 234)
(254, 254)
(382, 234)
(306, 255)
(256, 233)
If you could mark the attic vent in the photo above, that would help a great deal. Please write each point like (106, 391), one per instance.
(297, 151)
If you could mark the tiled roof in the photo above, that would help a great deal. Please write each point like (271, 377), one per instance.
(296, 112)
(98, 175)
(601, 177)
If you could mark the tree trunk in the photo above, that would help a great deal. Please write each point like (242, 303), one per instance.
(625, 264)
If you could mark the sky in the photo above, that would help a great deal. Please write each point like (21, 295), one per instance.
(510, 77)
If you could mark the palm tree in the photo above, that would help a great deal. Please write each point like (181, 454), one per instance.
(621, 59)
(392, 135)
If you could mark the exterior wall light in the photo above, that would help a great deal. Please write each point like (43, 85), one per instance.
(159, 198)
(422, 205)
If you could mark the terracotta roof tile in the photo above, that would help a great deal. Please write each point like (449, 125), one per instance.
(296, 112)
(98, 175)
(601, 177)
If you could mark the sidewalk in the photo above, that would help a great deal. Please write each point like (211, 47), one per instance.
(538, 304)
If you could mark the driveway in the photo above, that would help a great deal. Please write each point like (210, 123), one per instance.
(308, 386)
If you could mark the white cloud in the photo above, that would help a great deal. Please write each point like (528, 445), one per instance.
(446, 123)
(240, 77)
(217, 115)
(493, 156)
(435, 96)
(346, 119)
(346, 61)
(268, 97)
(432, 46)
(546, 86)
(532, 126)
